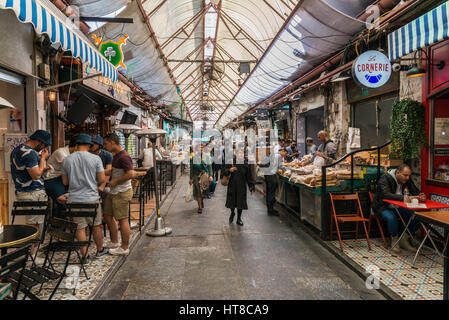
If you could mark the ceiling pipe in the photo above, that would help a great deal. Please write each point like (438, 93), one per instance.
(86, 30)
(158, 47)
(62, 6)
(384, 5)
(286, 22)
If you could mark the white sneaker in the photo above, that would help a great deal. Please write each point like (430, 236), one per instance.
(112, 245)
(119, 251)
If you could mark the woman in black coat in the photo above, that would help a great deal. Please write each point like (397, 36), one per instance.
(236, 194)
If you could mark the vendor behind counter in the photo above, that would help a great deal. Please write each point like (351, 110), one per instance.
(327, 149)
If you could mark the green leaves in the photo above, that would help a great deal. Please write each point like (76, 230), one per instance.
(407, 129)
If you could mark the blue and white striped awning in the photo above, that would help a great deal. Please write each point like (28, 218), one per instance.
(430, 28)
(45, 18)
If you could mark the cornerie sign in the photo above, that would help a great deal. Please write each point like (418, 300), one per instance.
(372, 69)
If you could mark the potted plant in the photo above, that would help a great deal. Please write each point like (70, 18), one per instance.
(407, 129)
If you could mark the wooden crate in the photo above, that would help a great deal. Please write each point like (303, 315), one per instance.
(4, 215)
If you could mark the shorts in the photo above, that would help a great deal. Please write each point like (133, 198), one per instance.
(38, 195)
(83, 222)
(117, 205)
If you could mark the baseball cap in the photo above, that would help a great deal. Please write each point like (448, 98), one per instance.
(97, 139)
(84, 138)
(41, 136)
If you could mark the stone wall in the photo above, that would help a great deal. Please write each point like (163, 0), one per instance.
(337, 111)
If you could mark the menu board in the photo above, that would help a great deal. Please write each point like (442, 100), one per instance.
(12, 140)
(441, 131)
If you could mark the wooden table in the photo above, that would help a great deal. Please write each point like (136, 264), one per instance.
(441, 219)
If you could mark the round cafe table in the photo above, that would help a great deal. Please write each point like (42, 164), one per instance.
(16, 234)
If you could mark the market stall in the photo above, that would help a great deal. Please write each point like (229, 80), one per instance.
(305, 187)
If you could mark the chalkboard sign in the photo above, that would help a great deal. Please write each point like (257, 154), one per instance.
(12, 140)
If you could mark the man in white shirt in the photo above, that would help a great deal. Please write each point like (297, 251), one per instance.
(279, 146)
(269, 167)
(53, 177)
(147, 156)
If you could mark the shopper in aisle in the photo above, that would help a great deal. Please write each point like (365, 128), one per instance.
(240, 178)
(117, 201)
(311, 147)
(200, 175)
(27, 169)
(391, 186)
(83, 172)
(269, 167)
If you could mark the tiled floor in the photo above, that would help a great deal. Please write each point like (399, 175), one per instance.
(96, 270)
(423, 281)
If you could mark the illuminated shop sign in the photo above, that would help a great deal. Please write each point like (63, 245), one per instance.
(372, 69)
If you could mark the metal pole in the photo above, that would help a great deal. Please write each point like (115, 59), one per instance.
(159, 225)
(153, 141)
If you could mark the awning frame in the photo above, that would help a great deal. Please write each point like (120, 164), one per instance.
(46, 19)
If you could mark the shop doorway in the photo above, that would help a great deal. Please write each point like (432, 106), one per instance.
(12, 88)
(373, 118)
(308, 125)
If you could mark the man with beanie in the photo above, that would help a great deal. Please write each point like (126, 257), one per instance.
(83, 172)
(27, 169)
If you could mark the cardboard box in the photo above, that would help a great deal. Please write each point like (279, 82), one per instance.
(391, 162)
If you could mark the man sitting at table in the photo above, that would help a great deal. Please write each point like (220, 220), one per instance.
(391, 186)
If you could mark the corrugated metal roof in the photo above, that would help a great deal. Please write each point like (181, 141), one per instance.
(243, 31)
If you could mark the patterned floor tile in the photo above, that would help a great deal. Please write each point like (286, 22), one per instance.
(421, 281)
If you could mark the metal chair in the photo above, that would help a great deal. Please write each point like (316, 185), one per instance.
(29, 208)
(137, 198)
(12, 266)
(62, 239)
(371, 217)
(347, 217)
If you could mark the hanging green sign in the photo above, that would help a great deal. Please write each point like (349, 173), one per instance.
(112, 50)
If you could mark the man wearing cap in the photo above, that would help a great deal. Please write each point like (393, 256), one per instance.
(27, 170)
(116, 204)
(83, 172)
(311, 147)
(105, 156)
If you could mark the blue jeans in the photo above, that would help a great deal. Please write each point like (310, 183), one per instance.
(392, 221)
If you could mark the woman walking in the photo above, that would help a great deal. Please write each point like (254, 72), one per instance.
(236, 194)
(200, 176)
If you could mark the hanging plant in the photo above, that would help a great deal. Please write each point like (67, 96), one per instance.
(407, 129)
